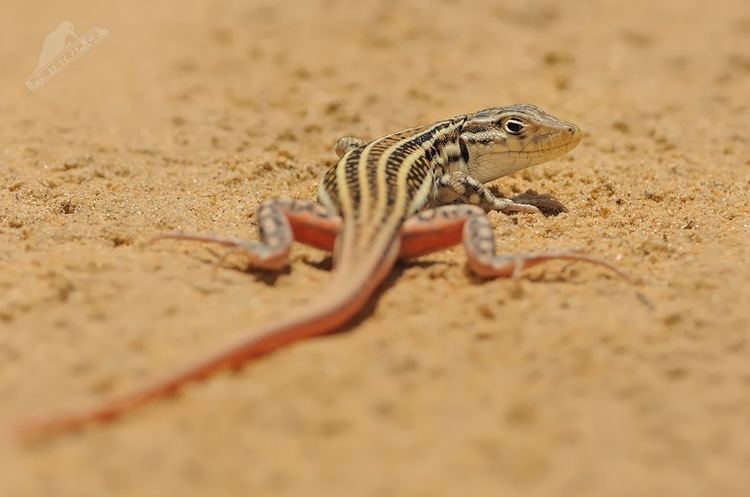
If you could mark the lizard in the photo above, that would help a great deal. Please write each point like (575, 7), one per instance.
(404, 195)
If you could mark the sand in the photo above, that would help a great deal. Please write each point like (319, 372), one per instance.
(567, 382)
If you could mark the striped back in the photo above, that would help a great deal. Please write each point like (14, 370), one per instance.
(390, 178)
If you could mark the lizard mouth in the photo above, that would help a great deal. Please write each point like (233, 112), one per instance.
(564, 147)
(555, 150)
(502, 162)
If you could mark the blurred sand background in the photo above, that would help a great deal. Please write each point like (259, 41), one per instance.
(566, 383)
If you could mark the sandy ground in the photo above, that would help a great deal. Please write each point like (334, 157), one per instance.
(568, 382)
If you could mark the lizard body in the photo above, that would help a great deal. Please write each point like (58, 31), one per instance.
(382, 200)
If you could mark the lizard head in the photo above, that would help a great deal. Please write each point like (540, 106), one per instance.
(498, 141)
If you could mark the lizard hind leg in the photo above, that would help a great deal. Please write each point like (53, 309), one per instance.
(436, 229)
(479, 243)
(306, 222)
(280, 222)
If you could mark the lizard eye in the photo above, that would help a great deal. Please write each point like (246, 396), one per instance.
(513, 126)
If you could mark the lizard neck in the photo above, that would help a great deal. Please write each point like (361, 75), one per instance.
(447, 152)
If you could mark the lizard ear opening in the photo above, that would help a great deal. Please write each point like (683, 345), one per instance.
(464, 149)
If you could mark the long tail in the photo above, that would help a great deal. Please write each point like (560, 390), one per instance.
(352, 287)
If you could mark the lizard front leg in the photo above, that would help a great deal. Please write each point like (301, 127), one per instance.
(347, 143)
(436, 229)
(280, 221)
(459, 185)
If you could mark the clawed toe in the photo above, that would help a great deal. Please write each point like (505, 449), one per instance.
(226, 242)
(514, 207)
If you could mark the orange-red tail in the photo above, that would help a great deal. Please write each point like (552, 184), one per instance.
(352, 288)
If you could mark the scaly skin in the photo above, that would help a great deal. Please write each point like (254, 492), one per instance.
(383, 200)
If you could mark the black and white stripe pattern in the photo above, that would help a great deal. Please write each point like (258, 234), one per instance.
(378, 186)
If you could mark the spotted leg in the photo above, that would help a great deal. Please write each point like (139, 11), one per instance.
(458, 185)
(347, 143)
(443, 227)
(280, 222)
